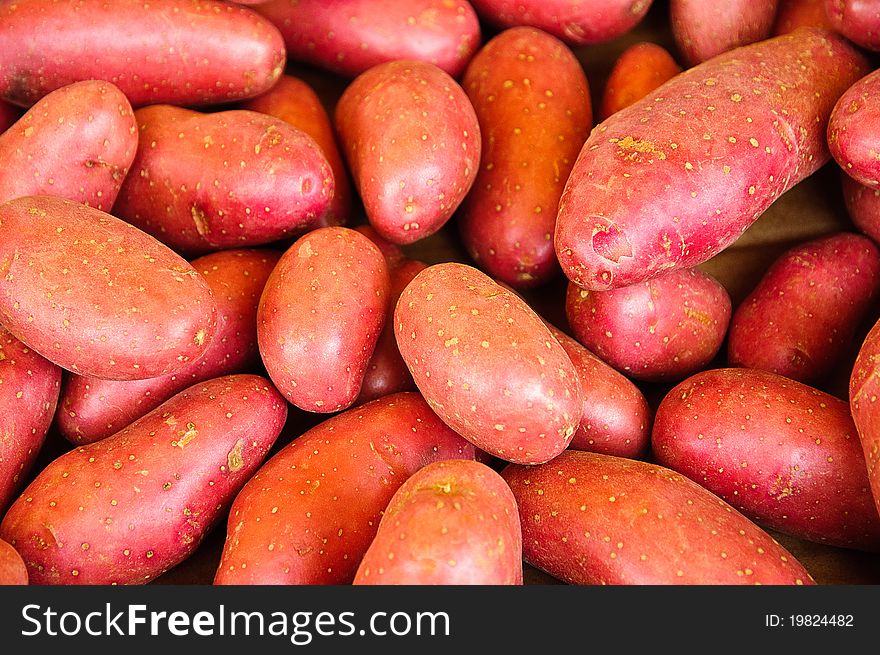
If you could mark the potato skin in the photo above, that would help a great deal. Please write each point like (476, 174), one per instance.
(532, 102)
(853, 129)
(675, 178)
(451, 523)
(857, 20)
(662, 329)
(183, 190)
(597, 519)
(98, 296)
(320, 316)
(640, 69)
(125, 509)
(412, 141)
(29, 387)
(77, 142)
(863, 205)
(784, 454)
(92, 409)
(310, 513)
(352, 36)
(703, 30)
(806, 309)
(864, 388)
(792, 14)
(487, 364)
(216, 52)
(12, 568)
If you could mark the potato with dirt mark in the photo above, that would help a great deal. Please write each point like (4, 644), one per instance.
(12, 568)
(595, 519)
(639, 70)
(784, 454)
(310, 513)
(96, 295)
(126, 509)
(451, 523)
(853, 130)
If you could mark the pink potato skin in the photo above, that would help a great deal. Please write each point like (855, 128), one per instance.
(487, 364)
(792, 14)
(320, 316)
(184, 52)
(29, 386)
(576, 23)
(532, 101)
(863, 205)
(853, 130)
(663, 329)
(806, 309)
(864, 388)
(310, 513)
(678, 176)
(639, 70)
(96, 295)
(857, 20)
(183, 190)
(93, 409)
(451, 523)
(350, 36)
(616, 416)
(412, 141)
(703, 30)
(125, 509)
(784, 454)
(12, 568)
(596, 519)
(77, 142)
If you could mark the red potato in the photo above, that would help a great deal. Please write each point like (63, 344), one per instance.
(675, 178)
(857, 20)
(295, 102)
(640, 69)
(93, 409)
(803, 314)
(393, 253)
(320, 316)
(451, 523)
(203, 182)
(703, 30)
(487, 364)
(186, 52)
(663, 329)
(596, 519)
(126, 509)
(77, 142)
(580, 22)
(852, 131)
(12, 568)
(9, 114)
(310, 513)
(864, 388)
(792, 14)
(97, 296)
(412, 142)
(532, 102)
(784, 454)
(29, 386)
(863, 205)
(352, 36)
(616, 417)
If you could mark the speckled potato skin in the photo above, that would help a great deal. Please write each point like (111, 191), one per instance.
(92, 409)
(352, 36)
(532, 101)
(125, 509)
(792, 14)
(853, 130)
(578, 22)
(412, 142)
(863, 205)
(29, 386)
(857, 20)
(596, 519)
(320, 316)
(12, 568)
(77, 142)
(233, 179)
(295, 102)
(703, 30)
(803, 314)
(639, 70)
(97, 296)
(450, 523)
(662, 329)
(487, 364)
(864, 388)
(675, 178)
(310, 513)
(784, 454)
(616, 417)
(184, 52)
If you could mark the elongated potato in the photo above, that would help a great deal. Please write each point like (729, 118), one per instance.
(98, 296)
(703, 29)
(310, 513)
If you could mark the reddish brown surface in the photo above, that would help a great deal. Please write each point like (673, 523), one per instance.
(792, 14)
(852, 130)
(638, 71)
(864, 388)
(862, 205)
(703, 30)
(12, 568)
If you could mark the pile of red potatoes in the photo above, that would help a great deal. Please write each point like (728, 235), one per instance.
(439, 292)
